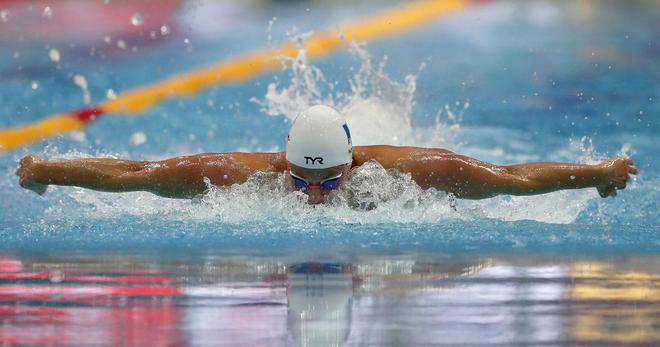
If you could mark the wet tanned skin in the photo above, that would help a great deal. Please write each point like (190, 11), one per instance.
(183, 177)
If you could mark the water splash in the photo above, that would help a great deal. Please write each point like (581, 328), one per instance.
(379, 111)
(376, 107)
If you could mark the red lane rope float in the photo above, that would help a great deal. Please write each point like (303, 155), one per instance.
(88, 114)
(232, 70)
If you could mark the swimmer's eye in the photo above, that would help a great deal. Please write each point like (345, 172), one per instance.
(299, 183)
(328, 183)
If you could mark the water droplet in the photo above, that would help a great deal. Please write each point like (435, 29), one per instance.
(137, 19)
(4, 16)
(165, 30)
(572, 177)
(48, 12)
(78, 136)
(34, 85)
(121, 44)
(137, 138)
(107, 39)
(54, 55)
(186, 40)
(110, 94)
(81, 82)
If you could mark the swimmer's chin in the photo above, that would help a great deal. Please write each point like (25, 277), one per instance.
(316, 202)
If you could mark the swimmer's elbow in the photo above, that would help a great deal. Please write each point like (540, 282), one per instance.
(516, 182)
(493, 181)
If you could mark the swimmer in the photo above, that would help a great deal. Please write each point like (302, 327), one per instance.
(318, 158)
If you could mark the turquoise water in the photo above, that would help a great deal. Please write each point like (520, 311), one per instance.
(504, 81)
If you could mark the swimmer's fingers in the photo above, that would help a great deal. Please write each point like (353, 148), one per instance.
(604, 191)
(26, 163)
(608, 190)
(630, 166)
(620, 182)
(28, 160)
(621, 185)
(25, 174)
(39, 188)
(33, 186)
(22, 174)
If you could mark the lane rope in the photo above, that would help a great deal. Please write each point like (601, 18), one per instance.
(236, 69)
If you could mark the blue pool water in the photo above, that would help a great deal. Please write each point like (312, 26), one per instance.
(502, 81)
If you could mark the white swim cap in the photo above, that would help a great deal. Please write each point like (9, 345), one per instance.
(319, 138)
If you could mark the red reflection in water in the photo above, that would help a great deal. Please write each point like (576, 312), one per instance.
(78, 309)
(84, 20)
(124, 326)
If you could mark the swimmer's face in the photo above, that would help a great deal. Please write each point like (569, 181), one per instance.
(314, 177)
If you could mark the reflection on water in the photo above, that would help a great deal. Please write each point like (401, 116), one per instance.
(617, 303)
(410, 299)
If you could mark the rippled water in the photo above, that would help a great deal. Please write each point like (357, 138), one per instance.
(219, 298)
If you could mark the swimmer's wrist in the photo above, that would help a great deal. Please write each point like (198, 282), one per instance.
(43, 172)
(39, 173)
(587, 176)
(600, 175)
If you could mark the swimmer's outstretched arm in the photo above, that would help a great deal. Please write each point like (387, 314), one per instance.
(473, 179)
(180, 177)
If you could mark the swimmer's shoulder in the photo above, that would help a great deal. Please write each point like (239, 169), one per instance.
(388, 155)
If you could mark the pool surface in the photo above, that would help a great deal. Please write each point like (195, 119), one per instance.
(253, 264)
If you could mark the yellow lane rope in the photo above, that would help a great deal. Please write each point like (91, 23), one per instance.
(233, 70)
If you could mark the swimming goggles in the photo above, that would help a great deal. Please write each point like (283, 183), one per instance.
(328, 183)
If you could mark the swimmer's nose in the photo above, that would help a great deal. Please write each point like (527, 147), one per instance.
(315, 196)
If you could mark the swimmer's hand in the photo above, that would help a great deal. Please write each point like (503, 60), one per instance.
(616, 173)
(27, 175)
